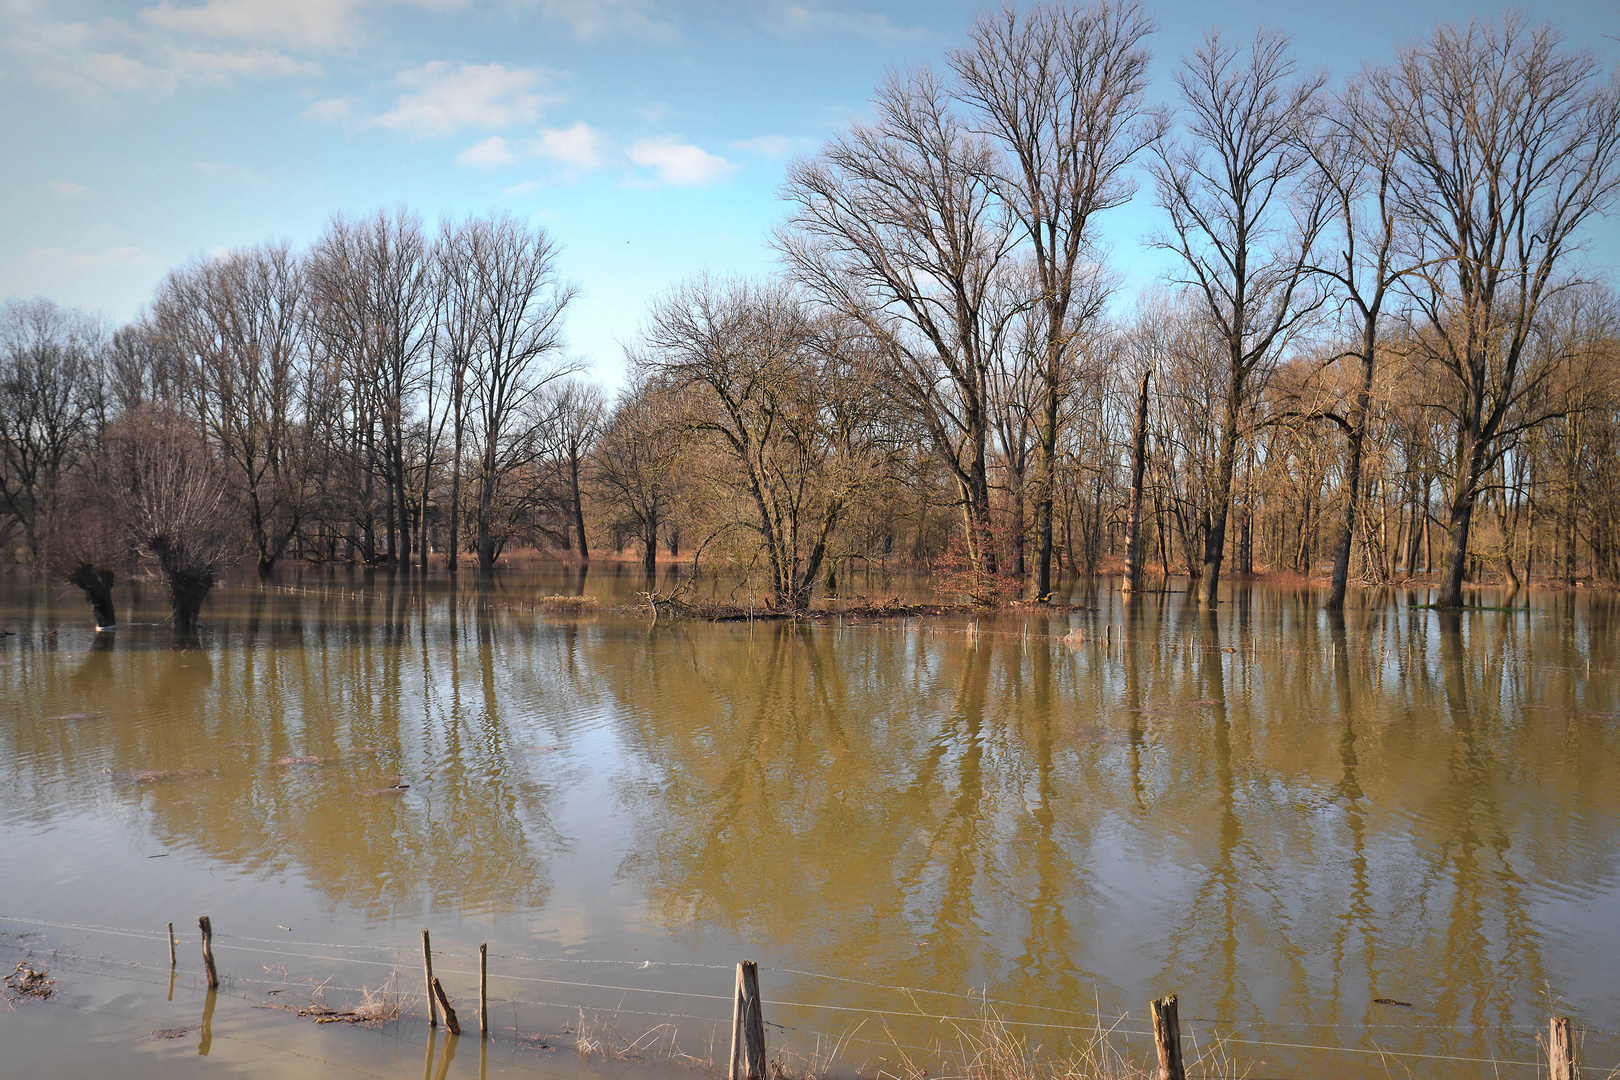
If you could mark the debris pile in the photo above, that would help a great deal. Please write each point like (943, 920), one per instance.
(28, 982)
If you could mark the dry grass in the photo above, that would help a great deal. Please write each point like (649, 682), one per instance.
(568, 603)
(986, 1049)
(377, 1006)
(992, 1050)
(600, 1039)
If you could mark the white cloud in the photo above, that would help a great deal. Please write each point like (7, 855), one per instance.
(491, 153)
(593, 19)
(67, 188)
(576, 148)
(443, 100)
(217, 67)
(113, 56)
(775, 146)
(812, 18)
(322, 24)
(522, 187)
(680, 163)
(331, 110)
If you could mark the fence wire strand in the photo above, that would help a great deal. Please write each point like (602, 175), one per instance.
(227, 942)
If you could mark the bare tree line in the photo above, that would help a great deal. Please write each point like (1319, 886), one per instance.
(1377, 349)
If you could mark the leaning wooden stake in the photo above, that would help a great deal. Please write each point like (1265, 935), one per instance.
(449, 1013)
(1561, 1061)
(427, 975)
(747, 1026)
(208, 951)
(172, 960)
(1167, 1037)
(483, 988)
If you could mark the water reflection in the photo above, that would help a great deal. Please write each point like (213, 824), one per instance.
(1282, 813)
(327, 745)
(1265, 809)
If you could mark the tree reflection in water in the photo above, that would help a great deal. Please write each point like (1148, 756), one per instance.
(1280, 812)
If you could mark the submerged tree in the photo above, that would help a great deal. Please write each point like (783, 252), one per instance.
(174, 504)
(1512, 145)
(635, 461)
(521, 302)
(83, 542)
(579, 410)
(1062, 89)
(1357, 148)
(783, 394)
(235, 326)
(1242, 221)
(51, 403)
(896, 225)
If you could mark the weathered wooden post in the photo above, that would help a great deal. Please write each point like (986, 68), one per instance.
(444, 1005)
(747, 1026)
(427, 976)
(1561, 1059)
(208, 951)
(483, 988)
(1167, 1038)
(172, 960)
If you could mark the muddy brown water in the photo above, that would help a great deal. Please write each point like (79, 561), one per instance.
(1282, 817)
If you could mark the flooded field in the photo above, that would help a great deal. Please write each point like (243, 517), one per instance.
(1381, 846)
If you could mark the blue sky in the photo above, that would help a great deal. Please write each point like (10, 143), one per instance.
(648, 138)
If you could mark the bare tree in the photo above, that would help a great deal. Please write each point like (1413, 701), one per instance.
(1357, 148)
(460, 330)
(371, 287)
(580, 410)
(1510, 150)
(1243, 223)
(897, 226)
(1062, 89)
(235, 324)
(82, 538)
(51, 393)
(521, 302)
(777, 390)
(173, 504)
(634, 463)
(140, 369)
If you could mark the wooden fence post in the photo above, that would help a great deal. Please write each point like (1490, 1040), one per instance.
(172, 960)
(208, 951)
(1167, 1038)
(483, 988)
(444, 1005)
(1561, 1058)
(747, 1026)
(427, 977)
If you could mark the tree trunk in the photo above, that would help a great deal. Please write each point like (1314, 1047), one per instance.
(1215, 539)
(1048, 464)
(1133, 538)
(1571, 490)
(579, 507)
(1462, 518)
(486, 510)
(97, 585)
(649, 554)
(187, 591)
(454, 554)
(1018, 553)
(1352, 480)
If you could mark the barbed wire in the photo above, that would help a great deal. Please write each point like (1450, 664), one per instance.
(918, 1013)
